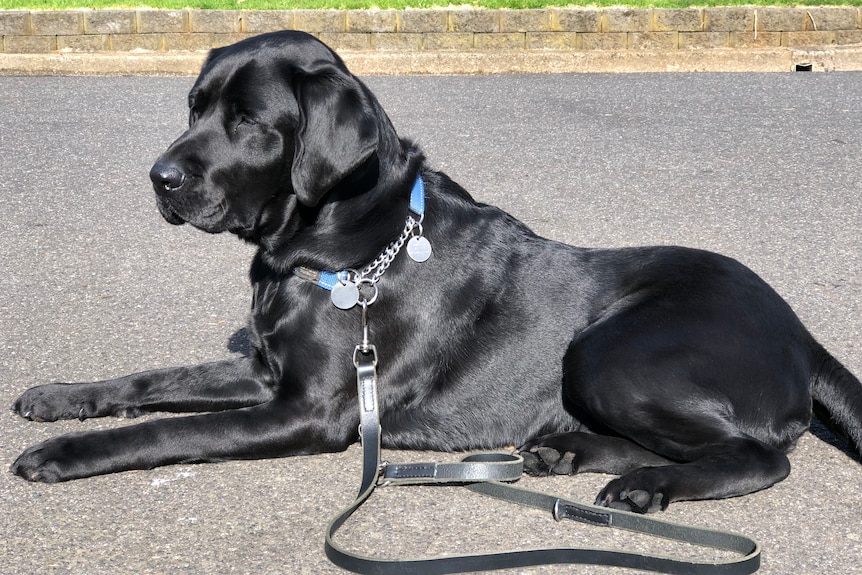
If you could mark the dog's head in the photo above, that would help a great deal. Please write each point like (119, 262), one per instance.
(275, 122)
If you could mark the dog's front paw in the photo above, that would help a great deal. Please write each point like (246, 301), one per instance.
(641, 491)
(52, 402)
(48, 462)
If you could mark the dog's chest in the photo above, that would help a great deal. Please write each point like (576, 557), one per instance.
(295, 330)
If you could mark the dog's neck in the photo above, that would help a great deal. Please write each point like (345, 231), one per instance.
(346, 285)
(356, 220)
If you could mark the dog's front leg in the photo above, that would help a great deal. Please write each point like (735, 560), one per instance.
(276, 428)
(208, 387)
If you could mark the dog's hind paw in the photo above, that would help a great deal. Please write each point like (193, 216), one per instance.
(638, 492)
(544, 461)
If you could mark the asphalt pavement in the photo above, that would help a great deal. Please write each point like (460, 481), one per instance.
(93, 284)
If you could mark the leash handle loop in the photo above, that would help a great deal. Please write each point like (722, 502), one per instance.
(747, 563)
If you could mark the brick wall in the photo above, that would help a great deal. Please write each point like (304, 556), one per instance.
(563, 29)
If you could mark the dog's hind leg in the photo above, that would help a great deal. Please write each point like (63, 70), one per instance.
(723, 399)
(737, 467)
(581, 452)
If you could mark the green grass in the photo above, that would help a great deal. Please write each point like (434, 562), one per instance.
(358, 4)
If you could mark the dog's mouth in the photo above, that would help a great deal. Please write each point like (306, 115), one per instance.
(212, 218)
(168, 213)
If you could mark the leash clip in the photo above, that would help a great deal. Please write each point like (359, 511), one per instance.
(365, 347)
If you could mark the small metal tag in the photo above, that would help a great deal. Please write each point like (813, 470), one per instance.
(419, 249)
(344, 295)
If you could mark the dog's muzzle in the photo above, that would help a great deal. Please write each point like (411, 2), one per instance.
(168, 179)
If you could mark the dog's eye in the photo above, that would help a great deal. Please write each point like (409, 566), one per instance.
(243, 120)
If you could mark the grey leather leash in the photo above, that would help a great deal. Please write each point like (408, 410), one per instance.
(485, 473)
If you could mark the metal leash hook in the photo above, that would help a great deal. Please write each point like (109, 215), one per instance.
(365, 348)
(365, 345)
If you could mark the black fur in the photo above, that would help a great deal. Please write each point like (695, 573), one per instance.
(678, 369)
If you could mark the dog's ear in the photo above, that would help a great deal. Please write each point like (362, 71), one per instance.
(337, 130)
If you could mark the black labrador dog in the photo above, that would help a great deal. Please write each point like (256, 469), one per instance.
(679, 370)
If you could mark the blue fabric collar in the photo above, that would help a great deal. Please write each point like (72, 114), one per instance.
(417, 198)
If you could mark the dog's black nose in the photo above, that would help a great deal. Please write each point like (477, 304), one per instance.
(167, 176)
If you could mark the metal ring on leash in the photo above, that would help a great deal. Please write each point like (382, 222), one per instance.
(370, 282)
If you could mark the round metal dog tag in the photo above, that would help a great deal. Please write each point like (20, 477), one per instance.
(344, 295)
(419, 248)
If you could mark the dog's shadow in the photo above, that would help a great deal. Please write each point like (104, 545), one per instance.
(240, 342)
(822, 432)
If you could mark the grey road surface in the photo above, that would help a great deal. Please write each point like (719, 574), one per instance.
(93, 284)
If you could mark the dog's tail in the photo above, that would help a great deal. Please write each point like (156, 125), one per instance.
(838, 393)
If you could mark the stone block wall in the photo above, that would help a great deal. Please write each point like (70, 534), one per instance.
(437, 30)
